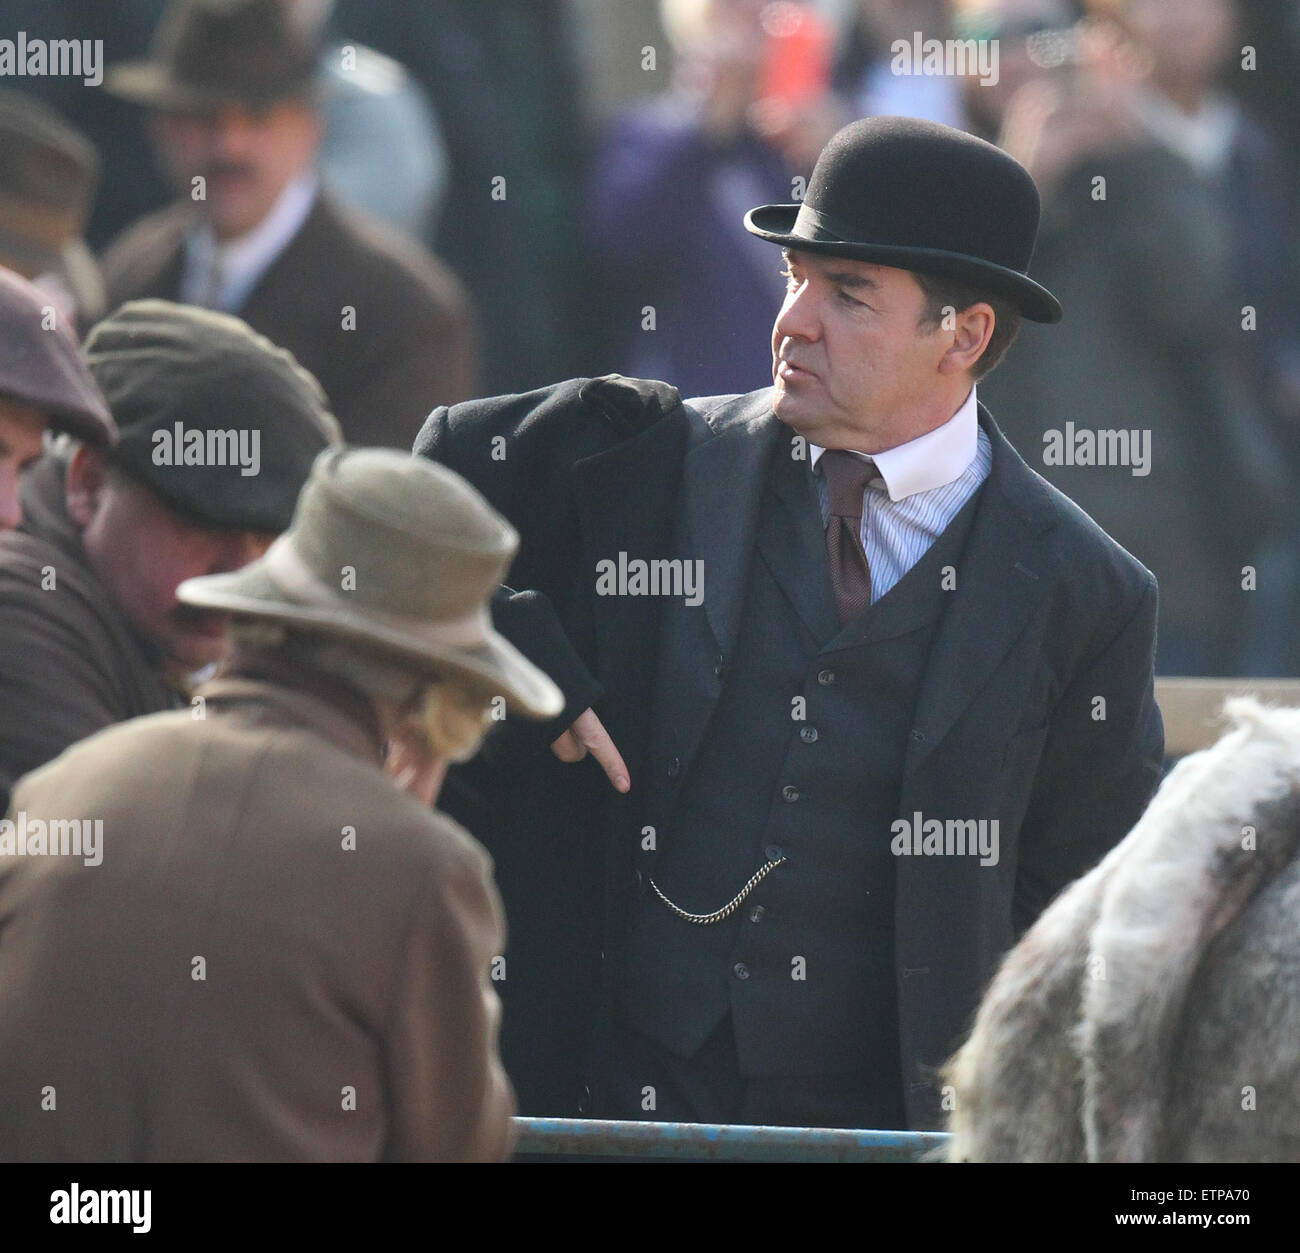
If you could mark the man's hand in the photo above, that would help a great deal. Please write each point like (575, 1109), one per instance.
(588, 735)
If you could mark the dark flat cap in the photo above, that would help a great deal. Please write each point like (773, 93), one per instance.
(217, 420)
(39, 364)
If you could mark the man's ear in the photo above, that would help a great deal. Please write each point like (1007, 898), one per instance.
(971, 334)
(84, 485)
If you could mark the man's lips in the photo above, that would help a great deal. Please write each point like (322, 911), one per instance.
(791, 373)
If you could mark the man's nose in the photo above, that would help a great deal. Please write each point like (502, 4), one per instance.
(232, 132)
(799, 318)
(11, 510)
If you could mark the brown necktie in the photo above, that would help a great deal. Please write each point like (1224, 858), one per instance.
(847, 477)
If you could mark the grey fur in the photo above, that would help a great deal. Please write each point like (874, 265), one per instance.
(1153, 1012)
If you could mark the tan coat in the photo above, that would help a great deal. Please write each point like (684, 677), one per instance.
(231, 982)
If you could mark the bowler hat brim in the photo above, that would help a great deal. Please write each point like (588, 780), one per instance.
(150, 84)
(494, 667)
(776, 222)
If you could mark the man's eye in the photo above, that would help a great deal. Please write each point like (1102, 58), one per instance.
(849, 300)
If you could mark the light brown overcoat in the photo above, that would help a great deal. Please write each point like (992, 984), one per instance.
(279, 955)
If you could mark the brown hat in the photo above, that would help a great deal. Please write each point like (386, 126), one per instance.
(207, 53)
(40, 365)
(399, 555)
(48, 175)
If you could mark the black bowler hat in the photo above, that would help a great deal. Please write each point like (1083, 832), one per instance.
(199, 397)
(207, 53)
(919, 196)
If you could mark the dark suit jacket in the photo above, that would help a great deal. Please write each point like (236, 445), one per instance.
(414, 346)
(1037, 706)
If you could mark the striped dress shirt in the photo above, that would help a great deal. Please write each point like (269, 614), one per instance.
(921, 486)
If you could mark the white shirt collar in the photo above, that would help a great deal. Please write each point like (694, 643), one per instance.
(1204, 139)
(244, 260)
(931, 460)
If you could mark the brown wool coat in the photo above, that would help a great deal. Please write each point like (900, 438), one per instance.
(415, 341)
(331, 977)
(70, 661)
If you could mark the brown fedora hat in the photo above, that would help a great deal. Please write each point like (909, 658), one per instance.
(400, 556)
(207, 53)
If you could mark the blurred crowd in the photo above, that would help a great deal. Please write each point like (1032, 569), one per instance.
(469, 199)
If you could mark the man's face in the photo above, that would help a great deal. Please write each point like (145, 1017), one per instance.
(851, 364)
(1188, 40)
(21, 428)
(245, 155)
(142, 550)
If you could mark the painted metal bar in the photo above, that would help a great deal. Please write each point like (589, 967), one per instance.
(681, 1141)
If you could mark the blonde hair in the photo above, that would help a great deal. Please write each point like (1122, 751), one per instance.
(453, 717)
(451, 713)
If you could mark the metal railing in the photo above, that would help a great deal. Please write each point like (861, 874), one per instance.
(552, 1138)
(1192, 708)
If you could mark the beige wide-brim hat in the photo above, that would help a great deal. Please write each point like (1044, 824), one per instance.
(396, 554)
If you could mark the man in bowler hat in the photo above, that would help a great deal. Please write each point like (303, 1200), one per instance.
(233, 94)
(44, 385)
(786, 828)
(217, 431)
(279, 953)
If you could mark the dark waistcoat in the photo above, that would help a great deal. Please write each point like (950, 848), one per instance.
(802, 759)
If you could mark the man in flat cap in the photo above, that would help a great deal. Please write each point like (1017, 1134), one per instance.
(218, 429)
(44, 385)
(868, 692)
(384, 326)
(280, 954)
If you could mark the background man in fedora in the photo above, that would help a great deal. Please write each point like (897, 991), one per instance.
(91, 632)
(44, 385)
(48, 175)
(384, 326)
(280, 955)
(901, 626)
